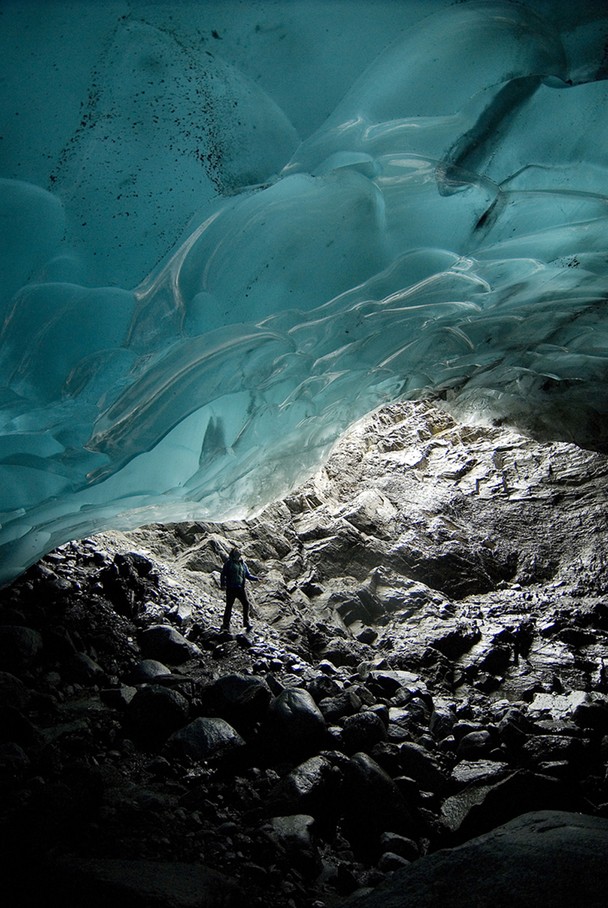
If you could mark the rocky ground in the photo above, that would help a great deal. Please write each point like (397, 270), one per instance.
(427, 662)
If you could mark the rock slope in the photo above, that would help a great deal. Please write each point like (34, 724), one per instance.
(427, 664)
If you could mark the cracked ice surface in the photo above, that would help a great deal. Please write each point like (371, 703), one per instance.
(197, 298)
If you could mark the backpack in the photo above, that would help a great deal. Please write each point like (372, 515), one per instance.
(235, 573)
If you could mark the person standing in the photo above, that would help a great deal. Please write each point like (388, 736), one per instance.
(234, 574)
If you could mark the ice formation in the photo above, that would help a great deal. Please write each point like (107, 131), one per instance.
(200, 295)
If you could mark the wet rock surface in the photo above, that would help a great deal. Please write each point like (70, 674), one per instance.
(427, 663)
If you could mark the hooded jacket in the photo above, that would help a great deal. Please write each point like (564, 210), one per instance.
(234, 573)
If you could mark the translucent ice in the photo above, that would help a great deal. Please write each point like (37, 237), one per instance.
(195, 302)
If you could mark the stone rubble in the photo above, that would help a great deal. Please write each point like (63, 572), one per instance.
(427, 663)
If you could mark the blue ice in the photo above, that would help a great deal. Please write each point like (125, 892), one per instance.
(206, 276)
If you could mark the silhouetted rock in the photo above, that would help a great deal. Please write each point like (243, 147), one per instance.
(545, 858)
(240, 699)
(20, 647)
(294, 724)
(422, 766)
(372, 804)
(154, 713)
(80, 668)
(13, 692)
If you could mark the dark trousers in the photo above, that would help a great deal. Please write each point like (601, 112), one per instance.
(231, 595)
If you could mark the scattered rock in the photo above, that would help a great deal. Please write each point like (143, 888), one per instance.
(369, 719)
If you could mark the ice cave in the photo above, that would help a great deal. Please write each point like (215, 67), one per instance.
(231, 229)
(323, 282)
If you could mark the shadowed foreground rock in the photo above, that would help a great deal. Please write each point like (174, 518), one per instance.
(142, 884)
(544, 858)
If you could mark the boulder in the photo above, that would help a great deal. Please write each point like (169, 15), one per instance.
(205, 738)
(478, 808)
(154, 713)
(147, 670)
(343, 704)
(389, 861)
(419, 764)
(294, 724)
(13, 691)
(593, 715)
(293, 836)
(292, 833)
(514, 730)
(393, 843)
(125, 582)
(441, 722)
(372, 804)
(475, 772)
(588, 709)
(20, 647)
(81, 669)
(387, 755)
(496, 659)
(367, 635)
(389, 681)
(240, 699)
(475, 745)
(362, 731)
(308, 788)
(164, 643)
(543, 858)
(324, 686)
(558, 747)
(456, 639)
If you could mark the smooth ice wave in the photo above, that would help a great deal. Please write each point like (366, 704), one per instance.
(198, 304)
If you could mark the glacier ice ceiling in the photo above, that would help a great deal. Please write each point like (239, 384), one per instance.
(231, 229)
